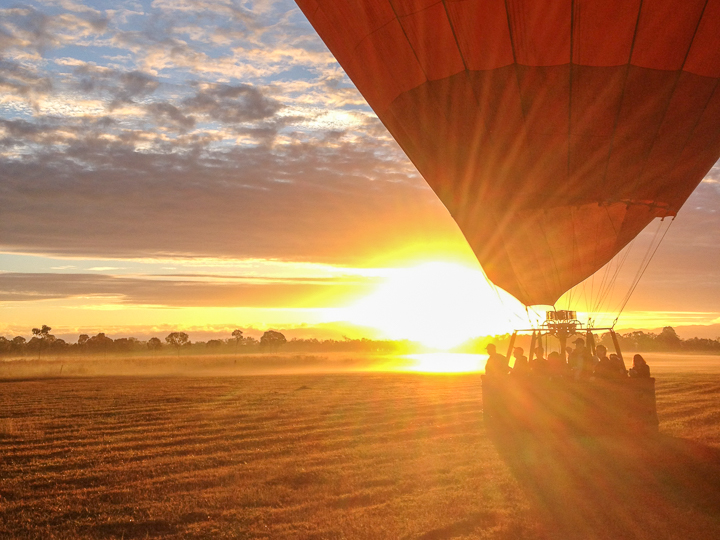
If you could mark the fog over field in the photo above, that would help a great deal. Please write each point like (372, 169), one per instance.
(297, 363)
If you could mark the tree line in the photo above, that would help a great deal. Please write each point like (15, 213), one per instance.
(43, 342)
(666, 340)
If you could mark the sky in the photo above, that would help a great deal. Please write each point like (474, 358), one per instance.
(205, 166)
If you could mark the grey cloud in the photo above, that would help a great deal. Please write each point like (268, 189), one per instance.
(121, 87)
(20, 133)
(42, 32)
(98, 23)
(47, 130)
(158, 39)
(166, 111)
(37, 25)
(232, 103)
(22, 81)
(135, 84)
(179, 292)
(301, 201)
(6, 39)
(228, 18)
(225, 103)
(22, 128)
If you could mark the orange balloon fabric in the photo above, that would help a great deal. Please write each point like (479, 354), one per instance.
(553, 131)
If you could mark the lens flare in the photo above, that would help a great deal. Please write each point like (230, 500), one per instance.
(438, 304)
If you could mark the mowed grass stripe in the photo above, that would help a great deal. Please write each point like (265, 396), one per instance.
(218, 429)
(352, 456)
(240, 444)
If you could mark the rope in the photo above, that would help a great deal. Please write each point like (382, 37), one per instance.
(637, 281)
(608, 267)
(612, 271)
(640, 270)
(610, 275)
(610, 284)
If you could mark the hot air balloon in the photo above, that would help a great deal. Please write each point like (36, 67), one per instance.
(554, 131)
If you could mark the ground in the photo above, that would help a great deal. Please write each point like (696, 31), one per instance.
(353, 455)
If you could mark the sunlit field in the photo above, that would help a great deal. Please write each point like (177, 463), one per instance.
(350, 454)
(293, 363)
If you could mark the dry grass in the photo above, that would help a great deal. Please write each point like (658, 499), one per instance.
(339, 456)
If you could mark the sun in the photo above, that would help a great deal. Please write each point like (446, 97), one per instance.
(438, 304)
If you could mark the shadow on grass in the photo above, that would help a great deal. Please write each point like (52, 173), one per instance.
(463, 527)
(133, 529)
(617, 487)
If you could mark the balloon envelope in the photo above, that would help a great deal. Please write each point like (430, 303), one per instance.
(553, 131)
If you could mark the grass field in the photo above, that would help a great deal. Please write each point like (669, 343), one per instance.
(349, 455)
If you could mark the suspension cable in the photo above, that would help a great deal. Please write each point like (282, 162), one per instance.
(609, 286)
(647, 263)
(610, 277)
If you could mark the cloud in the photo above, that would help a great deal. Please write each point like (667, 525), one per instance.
(116, 86)
(18, 80)
(183, 292)
(232, 103)
(105, 268)
(329, 200)
(165, 112)
(197, 128)
(27, 27)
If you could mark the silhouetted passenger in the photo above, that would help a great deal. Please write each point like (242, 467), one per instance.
(640, 369)
(539, 365)
(557, 367)
(604, 368)
(578, 359)
(520, 365)
(592, 360)
(618, 366)
(497, 364)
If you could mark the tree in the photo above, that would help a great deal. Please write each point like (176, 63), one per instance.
(154, 344)
(83, 339)
(42, 332)
(669, 339)
(42, 338)
(238, 335)
(18, 343)
(124, 344)
(214, 343)
(177, 340)
(99, 342)
(58, 344)
(35, 344)
(272, 339)
(639, 341)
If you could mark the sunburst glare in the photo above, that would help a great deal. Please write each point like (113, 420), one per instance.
(444, 362)
(438, 304)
